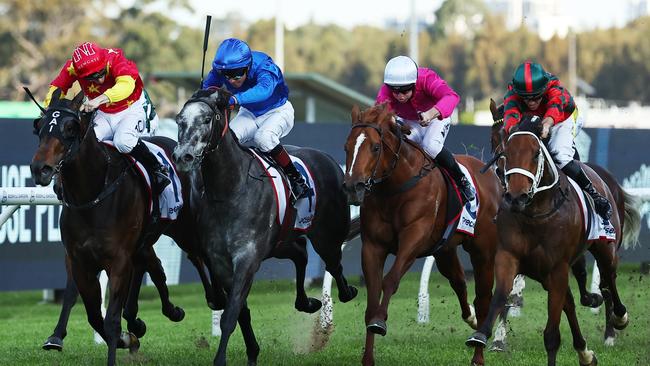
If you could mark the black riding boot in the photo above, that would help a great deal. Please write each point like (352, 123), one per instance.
(602, 206)
(299, 187)
(447, 161)
(157, 172)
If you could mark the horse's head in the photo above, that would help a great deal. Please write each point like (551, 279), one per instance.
(496, 133)
(60, 130)
(201, 124)
(526, 157)
(366, 162)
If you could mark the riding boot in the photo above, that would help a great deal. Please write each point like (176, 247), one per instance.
(601, 204)
(299, 187)
(447, 161)
(157, 172)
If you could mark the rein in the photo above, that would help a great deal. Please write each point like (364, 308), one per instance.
(213, 142)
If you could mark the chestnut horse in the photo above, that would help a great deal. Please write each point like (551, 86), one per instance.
(538, 200)
(625, 206)
(105, 221)
(403, 198)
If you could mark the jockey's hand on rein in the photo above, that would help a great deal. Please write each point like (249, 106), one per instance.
(92, 104)
(547, 123)
(232, 102)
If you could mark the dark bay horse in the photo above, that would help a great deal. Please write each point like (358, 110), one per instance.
(403, 200)
(623, 201)
(239, 228)
(104, 222)
(538, 200)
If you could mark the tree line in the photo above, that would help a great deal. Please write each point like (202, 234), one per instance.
(39, 36)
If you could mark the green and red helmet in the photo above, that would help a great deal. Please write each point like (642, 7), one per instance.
(530, 79)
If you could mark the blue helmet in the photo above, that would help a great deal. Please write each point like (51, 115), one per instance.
(232, 54)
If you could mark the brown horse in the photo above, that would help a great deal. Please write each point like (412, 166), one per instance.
(538, 200)
(105, 221)
(403, 200)
(625, 206)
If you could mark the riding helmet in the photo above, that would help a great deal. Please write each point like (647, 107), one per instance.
(88, 58)
(232, 54)
(530, 79)
(400, 70)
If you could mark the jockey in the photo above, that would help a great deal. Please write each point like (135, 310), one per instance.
(537, 92)
(424, 102)
(265, 115)
(114, 88)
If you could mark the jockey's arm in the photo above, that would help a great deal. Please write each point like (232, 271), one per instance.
(266, 83)
(124, 86)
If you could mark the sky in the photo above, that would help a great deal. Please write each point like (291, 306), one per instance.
(349, 13)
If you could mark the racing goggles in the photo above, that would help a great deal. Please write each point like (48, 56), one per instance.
(234, 74)
(401, 89)
(96, 75)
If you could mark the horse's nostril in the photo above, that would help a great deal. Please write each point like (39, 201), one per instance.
(188, 158)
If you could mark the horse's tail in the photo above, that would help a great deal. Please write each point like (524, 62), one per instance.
(355, 228)
(631, 222)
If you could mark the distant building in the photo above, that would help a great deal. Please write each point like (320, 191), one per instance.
(545, 17)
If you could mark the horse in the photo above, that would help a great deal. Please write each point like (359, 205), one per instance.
(105, 222)
(240, 227)
(403, 199)
(537, 201)
(623, 202)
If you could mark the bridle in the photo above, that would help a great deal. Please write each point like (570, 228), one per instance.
(396, 155)
(543, 158)
(213, 141)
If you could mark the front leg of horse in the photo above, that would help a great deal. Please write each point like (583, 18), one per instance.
(215, 299)
(135, 325)
(298, 255)
(373, 259)
(557, 284)
(585, 355)
(55, 341)
(450, 267)
(157, 274)
(252, 347)
(119, 281)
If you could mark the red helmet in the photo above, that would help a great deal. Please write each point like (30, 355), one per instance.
(88, 58)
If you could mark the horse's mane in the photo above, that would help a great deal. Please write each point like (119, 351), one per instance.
(529, 123)
(379, 114)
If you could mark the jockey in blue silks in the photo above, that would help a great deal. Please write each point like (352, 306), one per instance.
(265, 114)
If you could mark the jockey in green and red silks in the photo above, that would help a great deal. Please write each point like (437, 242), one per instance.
(533, 91)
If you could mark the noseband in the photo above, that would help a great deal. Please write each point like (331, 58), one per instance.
(396, 154)
(543, 156)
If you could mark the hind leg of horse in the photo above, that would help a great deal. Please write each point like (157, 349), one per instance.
(615, 312)
(586, 356)
(331, 255)
(252, 347)
(157, 274)
(244, 271)
(450, 267)
(135, 325)
(297, 252)
(483, 265)
(119, 278)
(579, 269)
(506, 267)
(373, 257)
(557, 284)
(55, 341)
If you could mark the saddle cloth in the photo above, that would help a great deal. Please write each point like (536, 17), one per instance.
(596, 228)
(171, 199)
(470, 210)
(305, 207)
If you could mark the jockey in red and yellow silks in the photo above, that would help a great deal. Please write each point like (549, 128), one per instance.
(533, 91)
(114, 88)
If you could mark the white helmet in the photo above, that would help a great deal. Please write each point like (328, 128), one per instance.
(401, 70)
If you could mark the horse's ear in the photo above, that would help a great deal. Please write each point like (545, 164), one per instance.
(76, 102)
(355, 113)
(55, 96)
(493, 109)
(221, 98)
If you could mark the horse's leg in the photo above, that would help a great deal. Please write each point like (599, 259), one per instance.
(506, 267)
(298, 254)
(135, 325)
(373, 257)
(615, 312)
(252, 348)
(90, 291)
(586, 356)
(119, 279)
(331, 255)
(214, 302)
(579, 269)
(244, 271)
(450, 267)
(557, 284)
(483, 265)
(157, 274)
(55, 341)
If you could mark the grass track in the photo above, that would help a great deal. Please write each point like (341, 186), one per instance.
(284, 334)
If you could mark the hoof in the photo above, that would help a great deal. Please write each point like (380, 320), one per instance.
(609, 341)
(175, 315)
(137, 327)
(477, 339)
(498, 346)
(591, 300)
(351, 293)
(130, 341)
(471, 319)
(53, 343)
(311, 306)
(377, 326)
(620, 322)
(594, 362)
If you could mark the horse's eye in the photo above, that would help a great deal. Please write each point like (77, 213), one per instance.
(375, 148)
(207, 120)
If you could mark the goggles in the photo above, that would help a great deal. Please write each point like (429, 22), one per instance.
(401, 89)
(96, 75)
(234, 74)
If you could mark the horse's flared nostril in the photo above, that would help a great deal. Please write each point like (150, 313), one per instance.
(188, 158)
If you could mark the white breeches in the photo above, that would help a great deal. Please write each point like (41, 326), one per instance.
(561, 144)
(432, 137)
(265, 130)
